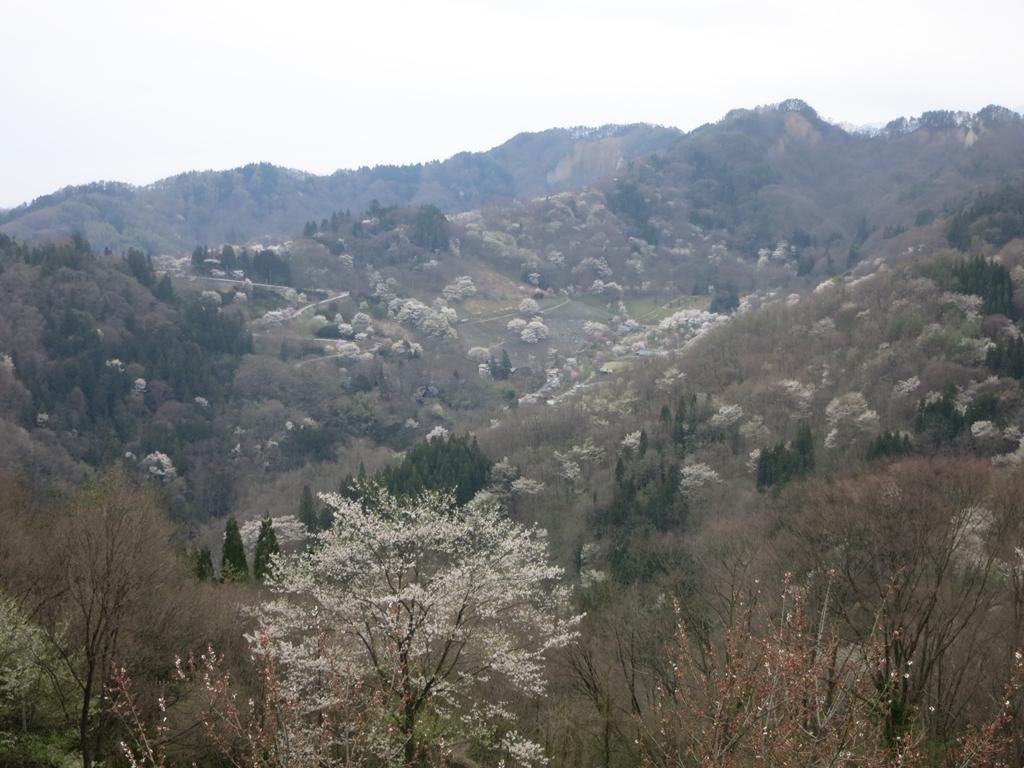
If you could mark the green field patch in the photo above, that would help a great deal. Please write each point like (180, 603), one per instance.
(653, 310)
(597, 304)
(265, 300)
(476, 308)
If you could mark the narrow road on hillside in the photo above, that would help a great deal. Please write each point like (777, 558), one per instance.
(318, 359)
(516, 314)
(342, 295)
(199, 278)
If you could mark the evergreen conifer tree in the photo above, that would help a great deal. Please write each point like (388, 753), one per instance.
(204, 565)
(164, 291)
(228, 258)
(233, 564)
(666, 416)
(326, 518)
(430, 229)
(349, 488)
(804, 447)
(266, 547)
(307, 510)
(680, 428)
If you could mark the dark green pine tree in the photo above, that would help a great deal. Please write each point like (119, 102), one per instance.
(326, 519)
(506, 364)
(1007, 358)
(889, 444)
(164, 291)
(681, 429)
(430, 230)
(199, 256)
(349, 488)
(233, 566)
(140, 265)
(642, 447)
(204, 564)
(228, 258)
(266, 547)
(804, 447)
(666, 416)
(771, 466)
(307, 510)
(778, 465)
(454, 463)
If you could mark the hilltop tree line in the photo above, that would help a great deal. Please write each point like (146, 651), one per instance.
(262, 266)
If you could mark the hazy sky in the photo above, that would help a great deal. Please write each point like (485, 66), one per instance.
(135, 90)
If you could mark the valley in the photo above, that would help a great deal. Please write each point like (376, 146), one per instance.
(674, 417)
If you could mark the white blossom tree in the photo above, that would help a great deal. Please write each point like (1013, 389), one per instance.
(459, 289)
(439, 608)
(160, 465)
(528, 307)
(849, 420)
(437, 433)
(516, 325)
(727, 416)
(534, 332)
(695, 476)
(631, 441)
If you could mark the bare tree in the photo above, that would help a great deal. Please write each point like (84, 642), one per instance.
(105, 587)
(913, 551)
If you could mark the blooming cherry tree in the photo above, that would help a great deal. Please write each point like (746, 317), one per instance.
(459, 289)
(440, 608)
(437, 433)
(695, 476)
(534, 332)
(160, 465)
(528, 306)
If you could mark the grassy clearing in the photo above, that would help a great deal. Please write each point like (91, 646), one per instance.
(595, 303)
(477, 308)
(652, 310)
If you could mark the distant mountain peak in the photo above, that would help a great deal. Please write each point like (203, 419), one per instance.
(938, 121)
(787, 106)
(586, 132)
(796, 105)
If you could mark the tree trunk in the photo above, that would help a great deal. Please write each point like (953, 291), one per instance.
(409, 728)
(409, 710)
(83, 723)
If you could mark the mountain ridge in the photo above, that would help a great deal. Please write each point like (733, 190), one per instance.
(267, 199)
(261, 201)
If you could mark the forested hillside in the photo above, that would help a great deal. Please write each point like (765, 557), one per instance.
(711, 457)
(104, 361)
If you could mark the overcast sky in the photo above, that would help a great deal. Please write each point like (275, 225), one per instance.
(136, 90)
